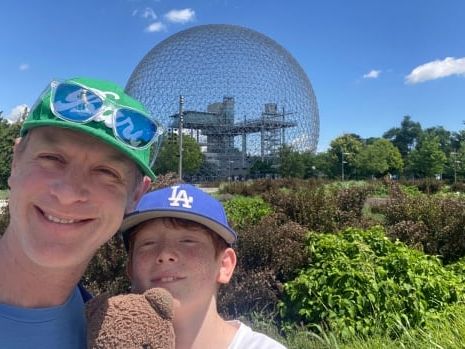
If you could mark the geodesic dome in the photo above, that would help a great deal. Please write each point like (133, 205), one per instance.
(244, 95)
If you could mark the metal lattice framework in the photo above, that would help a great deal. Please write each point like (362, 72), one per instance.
(244, 95)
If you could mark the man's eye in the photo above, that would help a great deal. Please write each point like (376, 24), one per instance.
(51, 157)
(108, 172)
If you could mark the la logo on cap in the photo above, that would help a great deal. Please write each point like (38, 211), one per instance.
(180, 196)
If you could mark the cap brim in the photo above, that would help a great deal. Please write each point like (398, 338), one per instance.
(136, 218)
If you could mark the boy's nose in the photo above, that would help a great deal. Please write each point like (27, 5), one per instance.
(166, 255)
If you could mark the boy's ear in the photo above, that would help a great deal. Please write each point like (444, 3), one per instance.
(228, 262)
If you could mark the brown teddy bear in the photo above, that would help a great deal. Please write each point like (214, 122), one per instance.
(131, 321)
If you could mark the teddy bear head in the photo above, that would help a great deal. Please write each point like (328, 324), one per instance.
(131, 321)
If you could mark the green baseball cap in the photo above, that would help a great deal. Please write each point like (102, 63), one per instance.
(41, 114)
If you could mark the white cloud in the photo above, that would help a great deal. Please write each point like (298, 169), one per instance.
(23, 66)
(180, 16)
(155, 27)
(15, 113)
(149, 13)
(436, 69)
(372, 74)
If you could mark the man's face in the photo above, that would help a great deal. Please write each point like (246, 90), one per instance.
(181, 260)
(68, 194)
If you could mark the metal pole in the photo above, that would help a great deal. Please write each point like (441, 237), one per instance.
(181, 124)
(342, 166)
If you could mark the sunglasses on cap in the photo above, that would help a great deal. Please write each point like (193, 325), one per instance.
(74, 102)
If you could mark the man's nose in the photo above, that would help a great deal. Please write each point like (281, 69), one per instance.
(71, 187)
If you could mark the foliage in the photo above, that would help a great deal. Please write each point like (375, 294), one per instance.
(342, 153)
(291, 163)
(260, 186)
(269, 254)
(8, 134)
(165, 180)
(107, 270)
(168, 157)
(427, 159)
(361, 282)
(319, 209)
(406, 136)
(243, 211)
(430, 223)
(379, 158)
(261, 168)
(4, 219)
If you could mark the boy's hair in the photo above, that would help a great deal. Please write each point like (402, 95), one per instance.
(219, 243)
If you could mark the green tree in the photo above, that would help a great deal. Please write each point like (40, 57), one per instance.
(379, 158)
(406, 136)
(291, 163)
(261, 168)
(342, 153)
(427, 159)
(168, 157)
(8, 134)
(444, 137)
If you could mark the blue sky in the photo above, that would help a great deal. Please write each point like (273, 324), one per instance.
(370, 62)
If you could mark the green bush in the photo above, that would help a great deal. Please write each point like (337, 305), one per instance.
(244, 210)
(359, 282)
(260, 186)
(426, 186)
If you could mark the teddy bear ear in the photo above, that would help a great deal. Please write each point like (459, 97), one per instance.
(160, 300)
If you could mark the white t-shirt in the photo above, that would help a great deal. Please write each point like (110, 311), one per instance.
(245, 338)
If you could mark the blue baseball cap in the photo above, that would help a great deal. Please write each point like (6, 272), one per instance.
(180, 201)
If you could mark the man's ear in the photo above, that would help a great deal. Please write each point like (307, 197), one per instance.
(140, 190)
(228, 262)
(14, 158)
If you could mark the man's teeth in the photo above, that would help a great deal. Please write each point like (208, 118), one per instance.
(60, 220)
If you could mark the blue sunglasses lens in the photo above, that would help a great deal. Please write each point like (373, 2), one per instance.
(134, 128)
(76, 103)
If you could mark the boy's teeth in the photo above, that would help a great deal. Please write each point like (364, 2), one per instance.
(167, 279)
(59, 220)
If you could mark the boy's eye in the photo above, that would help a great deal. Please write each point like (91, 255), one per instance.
(188, 240)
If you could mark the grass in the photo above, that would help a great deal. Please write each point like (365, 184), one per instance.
(4, 194)
(446, 331)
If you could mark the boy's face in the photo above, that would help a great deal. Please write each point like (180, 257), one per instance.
(179, 259)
